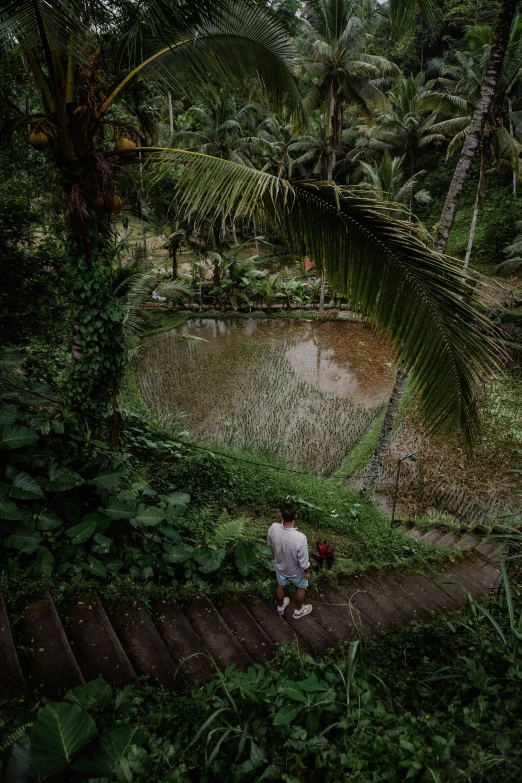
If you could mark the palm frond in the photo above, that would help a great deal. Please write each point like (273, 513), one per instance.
(243, 48)
(25, 23)
(420, 299)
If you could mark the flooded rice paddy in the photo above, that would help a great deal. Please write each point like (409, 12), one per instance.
(305, 391)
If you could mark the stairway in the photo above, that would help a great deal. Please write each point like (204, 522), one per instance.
(174, 646)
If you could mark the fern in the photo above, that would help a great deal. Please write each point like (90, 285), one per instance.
(14, 736)
(230, 531)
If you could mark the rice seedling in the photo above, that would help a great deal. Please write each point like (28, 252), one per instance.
(304, 392)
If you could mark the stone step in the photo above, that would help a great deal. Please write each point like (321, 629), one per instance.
(415, 532)
(396, 615)
(432, 536)
(411, 605)
(182, 642)
(468, 541)
(372, 615)
(351, 614)
(273, 625)
(420, 588)
(52, 666)
(96, 646)
(144, 646)
(248, 632)
(329, 619)
(216, 635)
(449, 540)
(11, 677)
(316, 637)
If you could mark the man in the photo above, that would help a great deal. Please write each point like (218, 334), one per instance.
(292, 563)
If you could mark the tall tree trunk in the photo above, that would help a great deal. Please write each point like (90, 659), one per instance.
(321, 295)
(385, 436)
(456, 189)
(331, 133)
(510, 105)
(478, 202)
(171, 116)
(478, 122)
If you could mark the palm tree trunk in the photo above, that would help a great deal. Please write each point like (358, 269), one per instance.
(478, 122)
(171, 116)
(321, 295)
(510, 106)
(478, 200)
(456, 189)
(331, 133)
(385, 436)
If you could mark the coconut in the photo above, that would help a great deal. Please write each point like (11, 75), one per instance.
(126, 148)
(113, 204)
(99, 205)
(39, 141)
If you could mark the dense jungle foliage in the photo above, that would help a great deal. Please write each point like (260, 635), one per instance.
(284, 159)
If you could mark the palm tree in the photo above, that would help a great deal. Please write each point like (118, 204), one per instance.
(407, 128)
(460, 82)
(478, 121)
(380, 264)
(385, 270)
(386, 183)
(334, 36)
(402, 13)
(222, 130)
(82, 62)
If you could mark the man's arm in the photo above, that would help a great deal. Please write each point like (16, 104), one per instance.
(303, 558)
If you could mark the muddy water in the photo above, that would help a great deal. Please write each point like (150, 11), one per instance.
(304, 391)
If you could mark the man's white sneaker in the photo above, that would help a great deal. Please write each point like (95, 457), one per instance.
(281, 609)
(306, 609)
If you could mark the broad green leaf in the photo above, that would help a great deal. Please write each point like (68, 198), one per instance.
(147, 516)
(210, 560)
(96, 693)
(23, 485)
(245, 558)
(9, 510)
(103, 544)
(111, 749)
(179, 554)
(312, 684)
(61, 479)
(81, 532)
(44, 561)
(14, 437)
(120, 508)
(176, 498)
(293, 691)
(7, 415)
(48, 520)
(95, 566)
(286, 715)
(113, 563)
(18, 765)
(24, 543)
(58, 733)
(108, 477)
(170, 532)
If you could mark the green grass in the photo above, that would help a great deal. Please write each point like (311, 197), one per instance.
(245, 483)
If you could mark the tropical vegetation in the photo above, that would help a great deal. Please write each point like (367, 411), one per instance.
(348, 166)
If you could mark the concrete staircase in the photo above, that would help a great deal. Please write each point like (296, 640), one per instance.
(174, 646)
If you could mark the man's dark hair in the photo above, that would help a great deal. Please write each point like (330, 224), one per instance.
(289, 512)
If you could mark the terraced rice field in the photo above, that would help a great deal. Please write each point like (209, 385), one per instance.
(304, 391)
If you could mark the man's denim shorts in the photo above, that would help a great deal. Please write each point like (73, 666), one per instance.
(298, 581)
